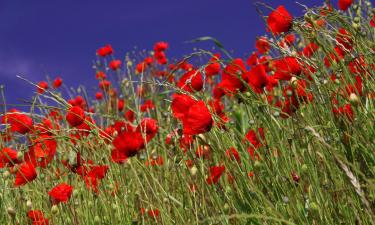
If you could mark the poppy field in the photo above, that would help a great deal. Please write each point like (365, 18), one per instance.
(283, 136)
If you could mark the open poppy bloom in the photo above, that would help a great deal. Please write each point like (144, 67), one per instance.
(37, 217)
(279, 20)
(115, 64)
(8, 157)
(75, 116)
(26, 173)
(195, 116)
(60, 193)
(18, 121)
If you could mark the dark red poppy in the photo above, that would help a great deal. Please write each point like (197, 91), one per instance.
(372, 22)
(345, 39)
(345, 4)
(60, 193)
(279, 21)
(233, 154)
(37, 217)
(147, 105)
(75, 116)
(26, 173)
(215, 173)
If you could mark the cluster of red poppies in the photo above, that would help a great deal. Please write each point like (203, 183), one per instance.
(283, 82)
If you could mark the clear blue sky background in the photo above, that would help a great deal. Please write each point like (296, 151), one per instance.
(41, 37)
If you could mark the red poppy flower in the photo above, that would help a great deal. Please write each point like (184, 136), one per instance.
(57, 82)
(212, 69)
(344, 38)
(104, 51)
(345, 110)
(180, 105)
(191, 81)
(18, 121)
(115, 64)
(279, 21)
(154, 213)
(42, 151)
(233, 154)
(42, 87)
(310, 49)
(345, 4)
(148, 105)
(286, 67)
(127, 144)
(372, 22)
(99, 95)
(215, 173)
(26, 173)
(231, 82)
(9, 157)
(262, 45)
(149, 127)
(257, 78)
(198, 119)
(160, 46)
(130, 116)
(100, 75)
(37, 217)
(60, 193)
(75, 116)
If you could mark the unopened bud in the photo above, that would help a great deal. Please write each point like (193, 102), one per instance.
(11, 211)
(29, 204)
(55, 209)
(354, 100)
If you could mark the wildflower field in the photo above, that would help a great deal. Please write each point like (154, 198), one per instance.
(283, 136)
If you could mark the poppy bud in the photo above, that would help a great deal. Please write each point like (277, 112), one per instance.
(11, 211)
(289, 93)
(19, 156)
(354, 100)
(54, 210)
(29, 204)
(257, 164)
(6, 174)
(304, 168)
(294, 82)
(193, 170)
(314, 209)
(97, 220)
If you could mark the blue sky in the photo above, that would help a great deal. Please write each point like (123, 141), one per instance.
(41, 37)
